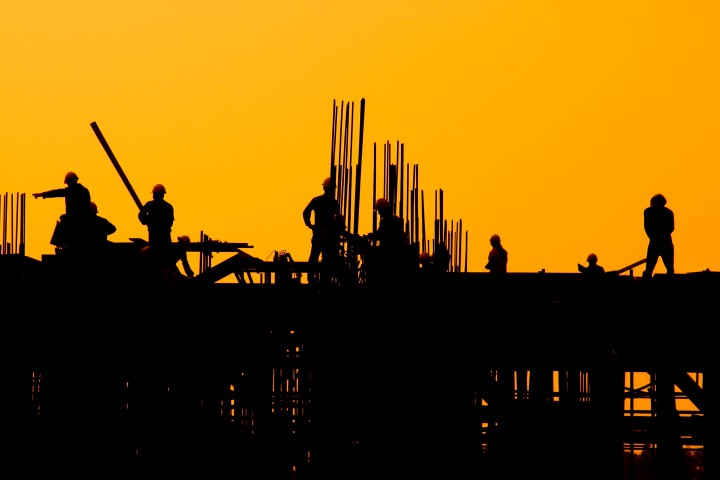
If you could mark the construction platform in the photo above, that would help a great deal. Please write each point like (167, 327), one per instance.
(445, 376)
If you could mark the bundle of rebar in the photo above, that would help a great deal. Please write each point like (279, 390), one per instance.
(12, 218)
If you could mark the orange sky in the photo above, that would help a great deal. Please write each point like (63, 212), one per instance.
(550, 123)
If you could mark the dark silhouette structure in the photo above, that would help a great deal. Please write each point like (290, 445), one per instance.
(395, 382)
(282, 396)
(659, 223)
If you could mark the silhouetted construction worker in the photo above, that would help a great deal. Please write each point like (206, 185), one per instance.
(100, 229)
(498, 256)
(179, 254)
(158, 215)
(72, 230)
(390, 235)
(428, 270)
(319, 215)
(390, 255)
(592, 270)
(659, 223)
(162, 264)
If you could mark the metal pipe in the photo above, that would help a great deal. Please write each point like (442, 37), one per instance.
(114, 161)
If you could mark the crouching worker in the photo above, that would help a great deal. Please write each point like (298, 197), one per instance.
(163, 263)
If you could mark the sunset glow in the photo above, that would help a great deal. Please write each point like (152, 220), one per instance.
(549, 123)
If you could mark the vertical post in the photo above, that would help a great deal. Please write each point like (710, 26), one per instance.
(332, 143)
(359, 167)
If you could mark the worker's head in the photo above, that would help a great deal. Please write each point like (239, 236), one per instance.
(592, 258)
(328, 184)
(658, 200)
(158, 191)
(495, 240)
(382, 204)
(93, 207)
(71, 178)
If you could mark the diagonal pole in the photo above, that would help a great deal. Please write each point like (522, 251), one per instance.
(114, 161)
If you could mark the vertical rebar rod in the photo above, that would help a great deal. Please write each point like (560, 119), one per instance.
(359, 166)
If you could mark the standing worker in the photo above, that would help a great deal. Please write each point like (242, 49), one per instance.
(72, 229)
(158, 215)
(498, 257)
(319, 216)
(659, 223)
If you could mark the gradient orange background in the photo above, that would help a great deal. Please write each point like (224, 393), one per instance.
(551, 123)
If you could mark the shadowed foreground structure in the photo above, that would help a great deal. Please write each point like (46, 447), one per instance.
(458, 376)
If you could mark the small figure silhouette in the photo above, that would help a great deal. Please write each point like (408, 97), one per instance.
(320, 216)
(390, 258)
(592, 269)
(72, 230)
(498, 256)
(101, 227)
(659, 223)
(390, 235)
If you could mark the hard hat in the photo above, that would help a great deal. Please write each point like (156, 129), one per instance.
(381, 203)
(328, 183)
(93, 207)
(70, 175)
(184, 238)
(592, 258)
(425, 257)
(159, 189)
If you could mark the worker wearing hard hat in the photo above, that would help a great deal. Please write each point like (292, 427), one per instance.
(158, 215)
(319, 216)
(100, 229)
(72, 228)
(592, 268)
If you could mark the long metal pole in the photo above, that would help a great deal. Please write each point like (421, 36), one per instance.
(114, 161)
(358, 174)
